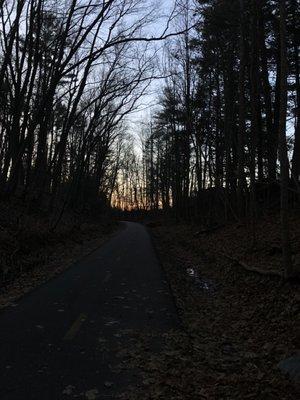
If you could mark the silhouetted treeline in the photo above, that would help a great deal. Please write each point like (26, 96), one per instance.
(220, 113)
(70, 72)
(224, 143)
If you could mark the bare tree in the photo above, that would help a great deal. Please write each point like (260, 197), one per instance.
(283, 155)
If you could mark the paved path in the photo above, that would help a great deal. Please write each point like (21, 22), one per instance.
(60, 341)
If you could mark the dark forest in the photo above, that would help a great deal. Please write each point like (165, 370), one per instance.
(149, 199)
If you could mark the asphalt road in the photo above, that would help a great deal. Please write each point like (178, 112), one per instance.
(62, 340)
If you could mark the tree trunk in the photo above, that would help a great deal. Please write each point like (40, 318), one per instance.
(283, 155)
(267, 95)
(242, 114)
(296, 152)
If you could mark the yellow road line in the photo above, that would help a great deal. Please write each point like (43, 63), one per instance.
(75, 327)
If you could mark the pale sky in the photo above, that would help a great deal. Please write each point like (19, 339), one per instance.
(149, 102)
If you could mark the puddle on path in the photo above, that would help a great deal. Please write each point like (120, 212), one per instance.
(201, 283)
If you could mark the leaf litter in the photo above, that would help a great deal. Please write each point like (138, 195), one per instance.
(232, 338)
